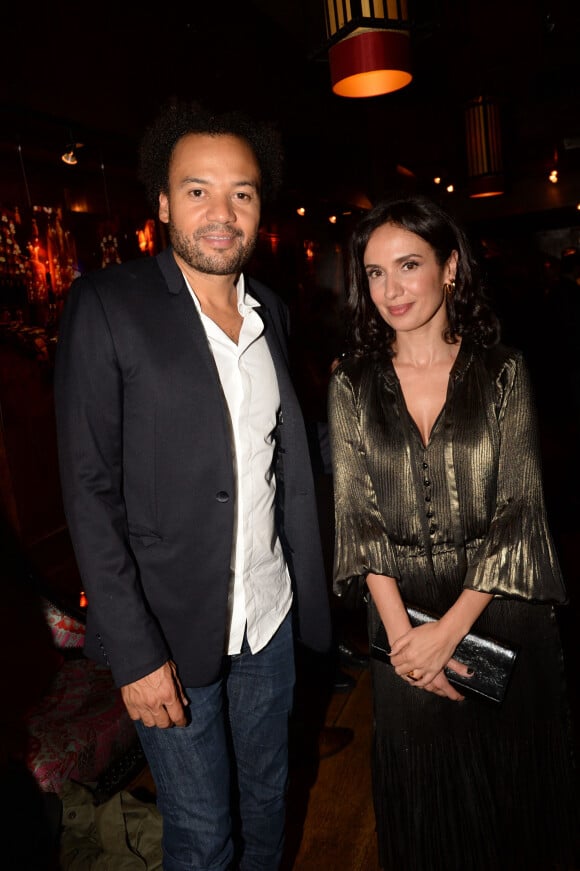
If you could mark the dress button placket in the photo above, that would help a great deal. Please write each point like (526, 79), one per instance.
(427, 484)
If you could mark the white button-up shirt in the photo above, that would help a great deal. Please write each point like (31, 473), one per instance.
(260, 593)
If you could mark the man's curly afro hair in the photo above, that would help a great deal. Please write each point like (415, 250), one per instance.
(179, 118)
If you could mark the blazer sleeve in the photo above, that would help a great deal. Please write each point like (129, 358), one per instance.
(517, 557)
(88, 390)
(362, 544)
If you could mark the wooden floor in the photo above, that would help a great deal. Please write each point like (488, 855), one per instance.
(331, 823)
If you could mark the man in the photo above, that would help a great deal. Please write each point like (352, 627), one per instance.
(189, 495)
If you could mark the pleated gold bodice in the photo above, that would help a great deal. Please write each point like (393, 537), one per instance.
(468, 504)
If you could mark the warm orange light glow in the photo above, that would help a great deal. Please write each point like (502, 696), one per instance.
(368, 63)
(83, 601)
(450, 188)
(70, 155)
(437, 179)
(271, 238)
(553, 177)
(372, 83)
(80, 205)
(482, 194)
(301, 211)
(332, 219)
(309, 249)
(146, 237)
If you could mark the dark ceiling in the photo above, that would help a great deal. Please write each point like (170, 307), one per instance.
(97, 73)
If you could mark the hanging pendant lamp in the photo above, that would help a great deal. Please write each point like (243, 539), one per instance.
(484, 148)
(368, 46)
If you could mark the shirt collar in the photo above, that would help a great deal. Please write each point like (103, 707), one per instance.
(246, 302)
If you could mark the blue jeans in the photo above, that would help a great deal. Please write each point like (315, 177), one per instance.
(221, 781)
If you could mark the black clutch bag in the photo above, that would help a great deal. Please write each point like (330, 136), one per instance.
(492, 661)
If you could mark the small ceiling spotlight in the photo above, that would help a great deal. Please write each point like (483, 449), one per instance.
(70, 155)
(553, 176)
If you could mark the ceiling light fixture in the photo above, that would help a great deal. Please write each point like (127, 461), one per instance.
(368, 47)
(70, 155)
(553, 174)
(483, 140)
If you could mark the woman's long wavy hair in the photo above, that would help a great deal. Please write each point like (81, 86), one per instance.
(468, 311)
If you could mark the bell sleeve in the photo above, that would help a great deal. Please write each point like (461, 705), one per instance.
(361, 541)
(517, 557)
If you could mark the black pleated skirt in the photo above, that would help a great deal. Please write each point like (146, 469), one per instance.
(472, 786)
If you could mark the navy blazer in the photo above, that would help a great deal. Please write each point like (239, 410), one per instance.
(147, 475)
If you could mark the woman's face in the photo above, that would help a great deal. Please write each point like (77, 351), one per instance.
(405, 279)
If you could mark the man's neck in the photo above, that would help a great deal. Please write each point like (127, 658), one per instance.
(218, 292)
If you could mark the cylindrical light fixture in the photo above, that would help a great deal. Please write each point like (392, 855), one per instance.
(369, 46)
(484, 151)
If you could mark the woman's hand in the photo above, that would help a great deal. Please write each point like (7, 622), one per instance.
(420, 655)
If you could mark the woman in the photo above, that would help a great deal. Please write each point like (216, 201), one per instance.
(439, 503)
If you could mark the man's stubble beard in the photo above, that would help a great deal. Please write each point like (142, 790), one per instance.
(221, 263)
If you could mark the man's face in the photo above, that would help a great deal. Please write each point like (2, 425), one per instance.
(213, 206)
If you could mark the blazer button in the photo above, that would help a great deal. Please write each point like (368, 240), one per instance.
(222, 496)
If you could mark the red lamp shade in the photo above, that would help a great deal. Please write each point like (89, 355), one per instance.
(370, 62)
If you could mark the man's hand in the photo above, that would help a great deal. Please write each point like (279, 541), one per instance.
(157, 699)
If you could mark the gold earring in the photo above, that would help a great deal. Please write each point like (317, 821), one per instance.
(449, 287)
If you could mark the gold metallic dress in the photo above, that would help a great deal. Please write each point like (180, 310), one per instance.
(466, 786)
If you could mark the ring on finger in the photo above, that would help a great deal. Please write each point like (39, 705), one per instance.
(411, 675)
